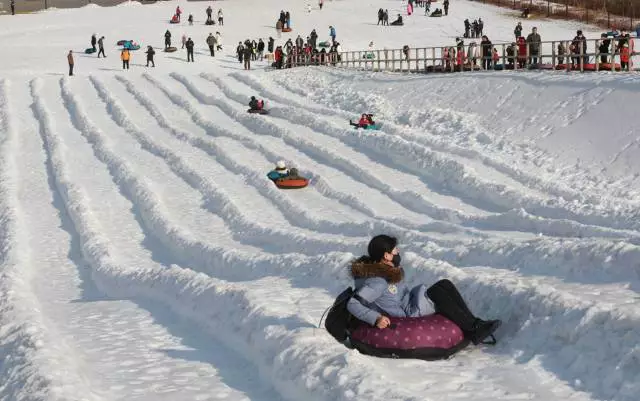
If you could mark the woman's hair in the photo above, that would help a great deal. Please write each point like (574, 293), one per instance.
(379, 245)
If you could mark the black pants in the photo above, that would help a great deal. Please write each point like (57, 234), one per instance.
(150, 60)
(101, 51)
(190, 55)
(70, 69)
(449, 303)
(212, 50)
(125, 63)
(220, 21)
(13, 10)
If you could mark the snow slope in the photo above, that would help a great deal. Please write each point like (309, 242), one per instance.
(145, 256)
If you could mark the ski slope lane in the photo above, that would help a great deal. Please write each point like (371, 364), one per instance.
(328, 180)
(152, 346)
(297, 206)
(224, 196)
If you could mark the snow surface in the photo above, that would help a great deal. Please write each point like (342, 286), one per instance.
(145, 256)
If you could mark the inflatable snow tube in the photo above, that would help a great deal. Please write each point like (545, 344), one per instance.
(372, 127)
(121, 42)
(430, 337)
(89, 50)
(170, 49)
(174, 21)
(132, 46)
(324, 44)
(209, 23)
(286, 29)
(291, 183)
(262, 111)
(576, 67)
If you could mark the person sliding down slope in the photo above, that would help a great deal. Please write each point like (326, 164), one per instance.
(381, 292)
(281, 171)
(364, 122)
(256, 104)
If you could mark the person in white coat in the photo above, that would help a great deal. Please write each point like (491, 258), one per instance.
(220, 19)
(219, 41)
(472, 53)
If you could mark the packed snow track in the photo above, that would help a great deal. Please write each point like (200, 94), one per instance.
(147, 257)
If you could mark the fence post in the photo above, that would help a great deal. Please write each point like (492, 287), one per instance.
(581, 53)
(597, 55)
(553, 54)
(568, 61)
(393, 60)
(433, 60)
(504, 59)
(378, 56)
(417, 62)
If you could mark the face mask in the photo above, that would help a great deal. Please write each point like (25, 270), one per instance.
(396, 260)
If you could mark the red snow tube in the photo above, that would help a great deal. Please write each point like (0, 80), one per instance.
(292, 183)
(174, 20)
(428, 337)
(286, 29)
(609, 66)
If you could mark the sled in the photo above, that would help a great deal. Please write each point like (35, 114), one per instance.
(372, 127)
(121, 42)
(291, 183)
(89, 50)
(324, 44)
(170, 49)
(132, 46)
(174, 20)
(369, 56)
(286, 29)
(261, 111)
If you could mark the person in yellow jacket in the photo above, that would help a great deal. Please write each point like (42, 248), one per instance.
(125, 56)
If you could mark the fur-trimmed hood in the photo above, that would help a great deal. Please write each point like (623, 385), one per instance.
(364, 268)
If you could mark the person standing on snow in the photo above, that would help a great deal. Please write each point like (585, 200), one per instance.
(209, 13)
(93, 42)
(178, 12)
(70, 61)
(13, 7)
(125, 56)
(211, 42)
(167, 39)
(270, 45)
(150, 52)
(220, 20)
(218, 41)
(260, 49)
(321, 3)
(446, 7)
(248, 52)
(189, 45)
(240, 51)
(184, 40)
(332, 33)
(101, 47)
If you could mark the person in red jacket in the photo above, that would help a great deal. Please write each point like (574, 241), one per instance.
(624, 57)
(522, 51)
(365, 121)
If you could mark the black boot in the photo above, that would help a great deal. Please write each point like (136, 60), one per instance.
(483, 329)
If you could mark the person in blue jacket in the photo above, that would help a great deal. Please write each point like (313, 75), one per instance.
(381, 292)
(281, 171)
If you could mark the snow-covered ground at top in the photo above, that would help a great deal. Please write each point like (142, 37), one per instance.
(145, 256)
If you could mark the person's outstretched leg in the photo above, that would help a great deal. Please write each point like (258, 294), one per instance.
(449, 303)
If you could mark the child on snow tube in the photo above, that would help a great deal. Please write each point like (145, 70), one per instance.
(365, 121)
(281, 171)
(383, 300)
(256, 104)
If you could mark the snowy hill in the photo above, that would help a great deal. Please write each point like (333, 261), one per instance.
(145, 256)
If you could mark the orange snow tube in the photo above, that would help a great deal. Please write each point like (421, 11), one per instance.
(286, 29)
(292, 183)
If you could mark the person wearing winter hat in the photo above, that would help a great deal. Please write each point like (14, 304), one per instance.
(381, 292)
(281, 171)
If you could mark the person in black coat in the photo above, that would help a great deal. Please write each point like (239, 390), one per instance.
(260, 49)
(486, 47)
(604, 47)
(270, 47)
(93, 42)
(189, 45)
(150, 53)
